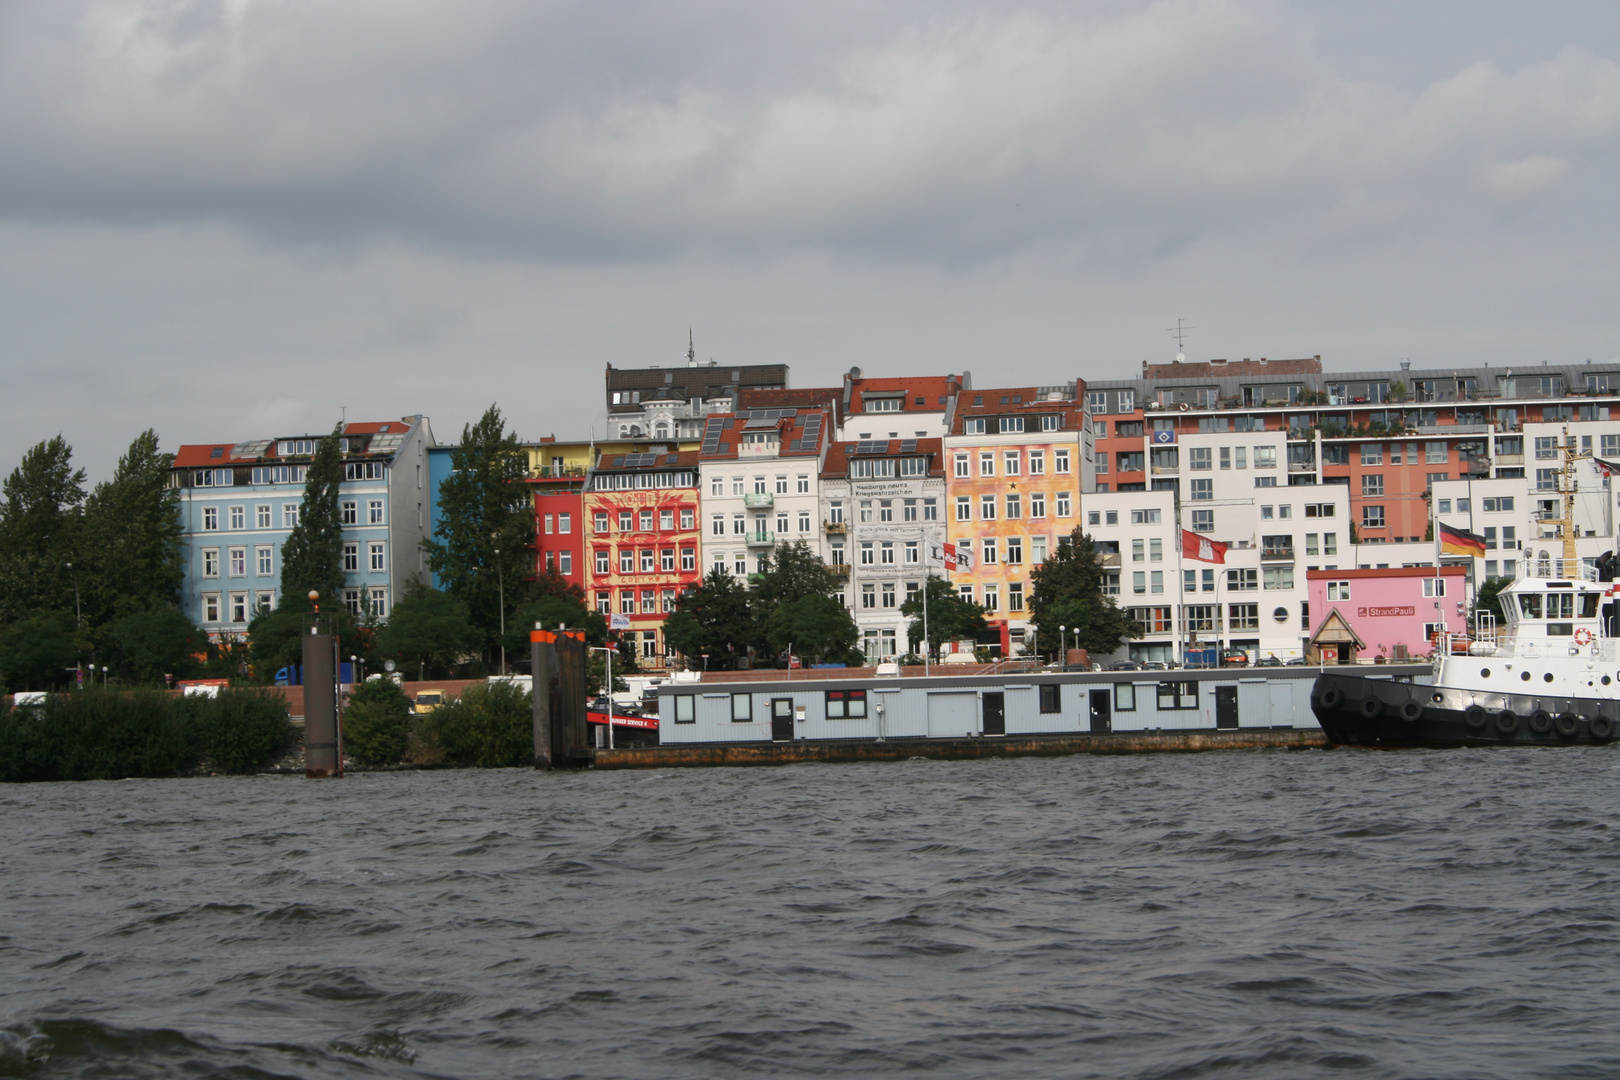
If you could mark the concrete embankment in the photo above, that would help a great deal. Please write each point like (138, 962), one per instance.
(1147, 742)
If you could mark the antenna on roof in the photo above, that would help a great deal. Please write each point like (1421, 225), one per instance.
(1179, 332)
(344, 409)
(691, 353)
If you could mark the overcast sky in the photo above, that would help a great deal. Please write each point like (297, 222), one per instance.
(227, 220)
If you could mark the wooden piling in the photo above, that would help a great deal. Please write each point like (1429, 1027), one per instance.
(322, 752)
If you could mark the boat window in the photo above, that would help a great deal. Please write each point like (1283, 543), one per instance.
(1530, 604)
(1589, 605)
(1560, 629)
(1560, 605)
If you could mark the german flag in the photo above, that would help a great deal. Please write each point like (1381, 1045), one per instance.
(1459, 542)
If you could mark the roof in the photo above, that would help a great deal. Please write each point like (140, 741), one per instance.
(202, 455)
(1335, 629)
(381, 436)
(839, 453)
(818, 397)
(647, 462)
(934, 390)
(1020, 400)
(703, 379)
(801, 431)
(1454, 570)
(1310, 365)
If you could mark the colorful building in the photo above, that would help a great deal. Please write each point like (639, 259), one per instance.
(1393, 613)
(1013, 485)
(641, 539)
(239, 501)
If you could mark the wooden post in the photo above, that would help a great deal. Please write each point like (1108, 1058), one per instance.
(542, 666)
(572, 747)
(321, 756)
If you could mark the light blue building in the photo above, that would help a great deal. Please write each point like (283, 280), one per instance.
(238, 502)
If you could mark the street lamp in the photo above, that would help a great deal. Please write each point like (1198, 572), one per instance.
(609, 650)
(500, 585)
(1063, 645)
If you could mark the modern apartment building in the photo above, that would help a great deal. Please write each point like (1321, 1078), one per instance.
(642, 541)
(760, 477)
(239, 501)
(883, 504)
(1013, 487)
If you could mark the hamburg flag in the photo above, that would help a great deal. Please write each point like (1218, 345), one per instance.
(1202, 548)
(1460, 542)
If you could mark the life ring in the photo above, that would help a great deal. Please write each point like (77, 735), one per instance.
(1541, 721)
(1332, 698)
(1475, 717)
(1507, 721)
(1602, 727)
(1583, 636)
(1371, 707)
(1411, 710)
(1567, 724)
(1184, 406)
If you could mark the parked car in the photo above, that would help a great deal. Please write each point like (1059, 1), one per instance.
(1268, 661)
(427, 700)
(1234, 658)
(1294, 661)
(1154, 665)
(1125, 665)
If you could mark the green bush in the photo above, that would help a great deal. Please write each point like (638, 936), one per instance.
(95, 734)
(376, 722)
(489, 726)
(240, 730)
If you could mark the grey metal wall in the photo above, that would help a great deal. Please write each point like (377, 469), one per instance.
(953, 706)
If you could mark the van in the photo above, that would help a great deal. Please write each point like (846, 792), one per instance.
(427, 701)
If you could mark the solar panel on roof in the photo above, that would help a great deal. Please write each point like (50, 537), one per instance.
(908, 446)
(759, 423)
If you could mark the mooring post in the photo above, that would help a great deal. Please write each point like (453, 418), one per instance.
(321, 753)
(542, 664)
(568, 714)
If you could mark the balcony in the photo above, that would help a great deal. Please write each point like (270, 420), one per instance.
(1165, 470)
(836, 528)
(760, 538)
(1109, 560)
(1277, 554)
(759, 502)
(1510, 459)
(756, 579)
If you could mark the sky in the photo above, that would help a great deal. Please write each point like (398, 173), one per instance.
(233, 220)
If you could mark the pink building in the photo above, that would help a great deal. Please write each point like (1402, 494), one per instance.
(1388, 612)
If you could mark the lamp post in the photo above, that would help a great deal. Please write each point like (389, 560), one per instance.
(77, 626)
(1063, 646)
(500, 585)
(608, 650)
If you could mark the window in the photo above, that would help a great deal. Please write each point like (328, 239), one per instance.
(289, 515)
(1203, 490)
(626, 521)
(1242, 580)
(1009, 463)
(1372, 517)
(1202, 520)
(742, 708)
(991, 601)
(601, 521)
(1012, 425)
(350, 512)
(803, 482)
(1060, 461)
(1037, 462)
(739, 525)
(930, 509)
(239, 607)
(1156, 581)
(1178, 695)
(1265, 481)
(351, 601)
(375, 556)
(717, 524)
(1138, 549)
(1124, 697)
(1014, 506)
(565, 562)
(1503, 504)
(885, 509)
(1372, 453)
(1051, 698)
(666, 559)
(1338, 590)
(973, 426)
(846, 704)
(1062, 504)
(868, 596)
(988, 550)
(1243, 616)
(646, 517)
(866, 510)
(964, 508)
(987, 464)
(912, 553)
(987, 507)
(211, 607)
(1433, 587)
(351, 559)
(646, 561)
(1148, 516)
(374, 512)
(1372, 484)
(1277, 577)
(649, 605)
(867, 557)
(1139, 583)
(210, 519)
(210, 562)
(379, 603)
(804, 521)
(363, 470)
(1265, 457)
(888, 594)
(263, 561)
(717, 486)
(1434, 453)
(1330, 543)
(1156, 549)
(961, 466)
(1198, 458)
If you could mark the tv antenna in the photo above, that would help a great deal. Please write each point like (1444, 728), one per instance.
(1179, 332)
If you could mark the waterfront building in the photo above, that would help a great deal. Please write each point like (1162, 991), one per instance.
(642, 542)
(883, 503)
(1013, 485)
(672, 403)
(760, 485)
(239, 501)
(1393, 614)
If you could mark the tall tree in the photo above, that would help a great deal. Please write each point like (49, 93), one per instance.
(488, 509)
(312, 554)
(815, 625)
(950, 618)
(428, 632)
(715, 618)
(1068, 592)
(792, 572)
(132, 537)
(39, 532)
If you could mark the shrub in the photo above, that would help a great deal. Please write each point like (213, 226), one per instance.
(376, 722)
(489, 726)
(95, 734)
(240, 730)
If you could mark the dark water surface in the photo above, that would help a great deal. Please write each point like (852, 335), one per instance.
(1242, 914)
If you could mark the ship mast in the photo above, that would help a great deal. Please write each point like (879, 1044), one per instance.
(1566, 523)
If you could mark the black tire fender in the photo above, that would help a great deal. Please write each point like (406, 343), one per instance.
(1602, 728)
(1411, 711)
(1567, 724)
(1475, 717)
(1507, 722)
(1371, 707)
(1332, 698)
(1541, 721)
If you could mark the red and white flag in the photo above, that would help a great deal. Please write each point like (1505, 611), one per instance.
(1202, 548)
(947, 556)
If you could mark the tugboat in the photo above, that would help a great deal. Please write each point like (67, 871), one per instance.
(1551, 677)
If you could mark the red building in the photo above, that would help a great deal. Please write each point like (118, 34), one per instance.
(641, 540)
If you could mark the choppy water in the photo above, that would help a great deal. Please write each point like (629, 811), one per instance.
(1253, 914)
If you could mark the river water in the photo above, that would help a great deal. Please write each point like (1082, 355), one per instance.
(1230, 914)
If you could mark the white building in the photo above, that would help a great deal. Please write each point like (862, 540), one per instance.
(760, 484)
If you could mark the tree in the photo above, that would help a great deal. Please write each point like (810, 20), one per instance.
(487, 508)
(813, 625)
(36, 653)
(145, 646)
(276, 638)
(552, 602)
(376, 721)
(1489, 597)
(39, 532)
(715, 618)
(132, 537)
(1068, 592)
(792, 572)
(429, 629)
(950, 618)
(312, 554)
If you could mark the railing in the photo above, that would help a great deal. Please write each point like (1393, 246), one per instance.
(1277, 555)
(757, 501)
(1108, 559)
(837, 528)
(759, 538)
(1166, 470)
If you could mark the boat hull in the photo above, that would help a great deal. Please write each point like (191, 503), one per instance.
(1355, 710)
